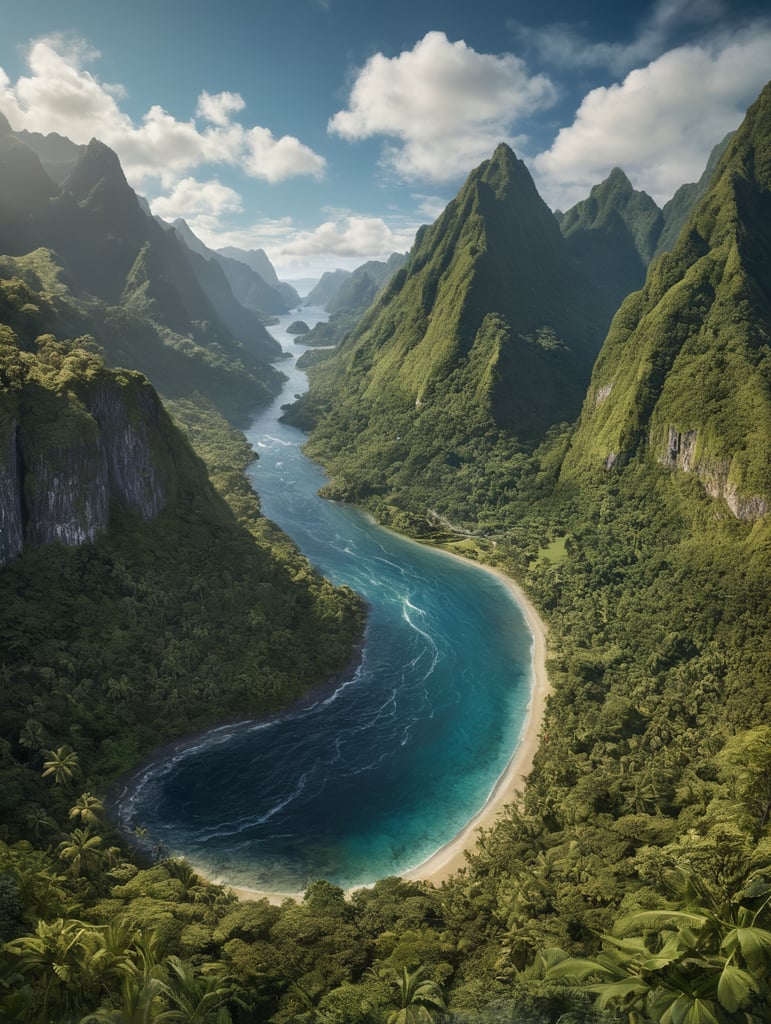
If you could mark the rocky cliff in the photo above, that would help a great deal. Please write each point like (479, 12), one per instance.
(73, 448)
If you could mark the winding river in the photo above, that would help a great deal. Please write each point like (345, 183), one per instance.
(370, 778)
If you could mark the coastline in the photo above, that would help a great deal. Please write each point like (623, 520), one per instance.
(448, 859)
(509, 786)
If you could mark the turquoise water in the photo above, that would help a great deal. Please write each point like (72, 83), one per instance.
(370, 778)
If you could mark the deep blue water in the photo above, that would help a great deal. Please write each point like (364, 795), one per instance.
(370, 778)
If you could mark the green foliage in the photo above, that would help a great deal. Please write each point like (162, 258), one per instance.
(707, 963)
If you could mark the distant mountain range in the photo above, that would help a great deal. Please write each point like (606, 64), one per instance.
(153, 300)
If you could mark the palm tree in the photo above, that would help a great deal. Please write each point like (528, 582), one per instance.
(708, 963)
(141, 1002)
(51, 957)
(308, 997)
(418, 998)
(82, 852)
(197, 998)
(39, 820)
(87, 810)
(63, 764)
(32, 738)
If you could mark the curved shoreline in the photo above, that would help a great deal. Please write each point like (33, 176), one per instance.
(448, 859)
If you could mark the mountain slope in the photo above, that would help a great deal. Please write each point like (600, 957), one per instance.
(685, 373)
(250, 289)
(129, 281)
(679, 208)
(613, 234)
(257, 261)
(490, 326)
(327, 287)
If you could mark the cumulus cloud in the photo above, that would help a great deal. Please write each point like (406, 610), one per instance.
(190, 197)
(60, 95)
(202, 204)
(277, 159)
(347, 238)
(352, 235)
(660, 123)
(447, 105)
(218, 108)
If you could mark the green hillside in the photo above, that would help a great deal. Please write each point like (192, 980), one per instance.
(486, 336)
(131, 281)
(684, 372)
(613, 234)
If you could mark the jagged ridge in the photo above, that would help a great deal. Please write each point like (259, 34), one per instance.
(684, 372)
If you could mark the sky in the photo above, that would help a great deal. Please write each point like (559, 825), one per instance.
(327, 131)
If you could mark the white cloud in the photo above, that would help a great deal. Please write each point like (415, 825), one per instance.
(429, 206)
(346, 240)
(218, 108)
(358, 236)
(191, 198)
(447, 105)
(277, 159)
(660, 123)
(59, 95)
(202, 204)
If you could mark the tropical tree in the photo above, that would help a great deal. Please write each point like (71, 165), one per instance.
(419, 998)
(87, 811)
(82, 852)
(707, 963)
(39, 821)
(63, 764)
(141, 1001)
(51, 959)
(32, 738)
(196, 998)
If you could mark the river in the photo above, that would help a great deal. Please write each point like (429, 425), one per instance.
(369, 778)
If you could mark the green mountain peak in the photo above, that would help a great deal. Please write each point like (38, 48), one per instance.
(683, 376)
(490, 326)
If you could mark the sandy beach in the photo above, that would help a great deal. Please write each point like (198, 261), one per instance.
(450, 857)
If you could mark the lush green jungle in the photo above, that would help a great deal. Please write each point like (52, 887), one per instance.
(632, 882)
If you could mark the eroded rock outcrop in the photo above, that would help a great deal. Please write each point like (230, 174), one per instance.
(67, 457)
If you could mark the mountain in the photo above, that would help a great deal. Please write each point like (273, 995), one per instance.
(613, 234)
(328, 286)
(358, 290)
(347, 302)
(250, 289)
(490, 326)
(677, 211)
(57, 154)
(123, 270)
(257, 260)
(683, 376)
(70, 453)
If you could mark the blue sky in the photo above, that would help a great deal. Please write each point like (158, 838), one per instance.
(327, 131)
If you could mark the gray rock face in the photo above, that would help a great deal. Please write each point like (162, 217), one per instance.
(11, 528)
(65, 462)
(681, 453)
(134, 475)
